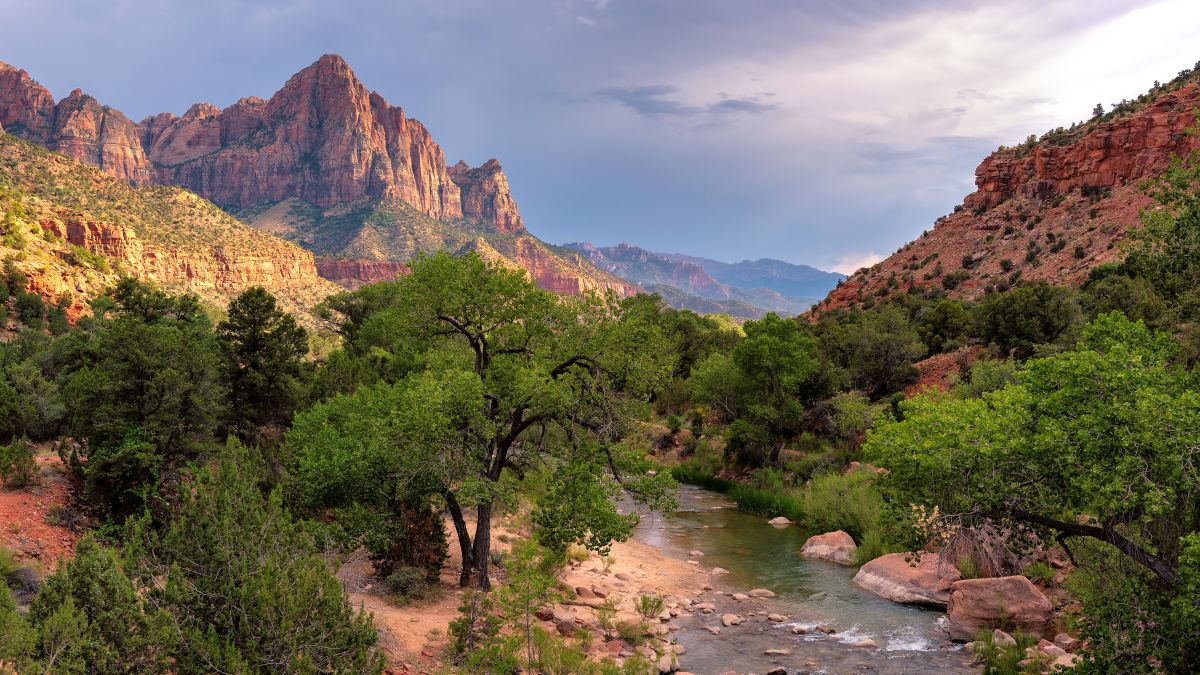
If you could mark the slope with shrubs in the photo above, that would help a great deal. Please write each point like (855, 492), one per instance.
(93, 226)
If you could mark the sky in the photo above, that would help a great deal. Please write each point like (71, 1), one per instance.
(822, 133)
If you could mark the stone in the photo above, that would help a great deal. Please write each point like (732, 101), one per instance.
(717, 570)
(599, 592)
(776, 618)
(705, 607)
(544, 613)
(740, 597)
(1011, 602)
(696, 553)
(666, 663)
(584, 593)
(715, 630)
(828, 630)
(760, 593)
(800, 630)
(777, 652)
(779, 521)
(837, 546)
(1066, 642)
(730, 619)
(893, 578)
(615, 646)
(1002, 639)
(624, 576)
(693, 562)
(646, 652)
(777, 671)
(1053, 650)
(865, 642)
(1067, 661)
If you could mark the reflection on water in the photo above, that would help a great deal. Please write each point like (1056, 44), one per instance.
(810, 593)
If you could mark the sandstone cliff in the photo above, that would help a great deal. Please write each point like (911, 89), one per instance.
(324, 163)
(1047, 210)
(92, 225)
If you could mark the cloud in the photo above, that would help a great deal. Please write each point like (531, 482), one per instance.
(851, 263)
(658, 100)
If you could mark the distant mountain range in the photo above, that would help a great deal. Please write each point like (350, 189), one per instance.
(747, 289)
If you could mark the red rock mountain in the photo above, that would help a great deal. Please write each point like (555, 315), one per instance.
(1046, 210)
(326, 148)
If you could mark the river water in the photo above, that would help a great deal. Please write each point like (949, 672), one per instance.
(809, 593)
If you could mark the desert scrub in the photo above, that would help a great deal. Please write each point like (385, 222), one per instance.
(649, 605)
(18, 467)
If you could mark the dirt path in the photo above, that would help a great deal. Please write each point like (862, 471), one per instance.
(23, 516)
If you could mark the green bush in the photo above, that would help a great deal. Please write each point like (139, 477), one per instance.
(1001, 659)
(764, 502)
(409, 583)
(18, 467)
(1039, 573)
(838, 501)
(30, 308)
(649, 605)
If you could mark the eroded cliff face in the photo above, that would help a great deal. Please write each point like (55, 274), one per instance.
(486, 197)
(356, 273)
(77, 126)
(323, 144)
(1048, 212)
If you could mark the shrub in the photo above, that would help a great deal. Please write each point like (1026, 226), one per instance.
(649, 605)
(1002, 659)
(838, 501)
(968, 568)
(30, 308)
(674, 424)
(766, 502)
(408, 583)
(872, 546)
(1039, 573)
(18, 467)
(1006, 265)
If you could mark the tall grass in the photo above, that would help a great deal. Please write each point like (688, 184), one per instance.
(767, 502)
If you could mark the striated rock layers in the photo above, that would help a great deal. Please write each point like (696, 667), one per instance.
(323, 145)
(1047, 211)
(356, 273)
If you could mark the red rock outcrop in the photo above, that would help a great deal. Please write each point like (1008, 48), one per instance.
(1008, 603)
(78, 126)
(485, 195)
(1050, 211)
(322, 138)
(354, 274)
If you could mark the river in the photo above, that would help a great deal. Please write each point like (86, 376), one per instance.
(809, 593)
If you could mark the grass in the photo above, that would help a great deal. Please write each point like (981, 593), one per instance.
(1004, 660)
(1039, 573)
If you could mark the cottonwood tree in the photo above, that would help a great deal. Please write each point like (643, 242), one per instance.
(1097, 448)
(498, 378)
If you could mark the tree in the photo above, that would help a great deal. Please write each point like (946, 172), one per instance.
(263, 348)
(944, 325)
(1019, 321)
(242, 581)
(145, 397)
(1098, 111)
(876, 348)
(1096, 449)
(501, 378)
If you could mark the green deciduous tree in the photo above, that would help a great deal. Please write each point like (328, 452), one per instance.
(1098, 448)
(491, 376)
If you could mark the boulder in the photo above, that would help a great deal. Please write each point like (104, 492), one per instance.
(836, 546)
(666, 663)
(779, 522)
(925, 583)
(1001, 602)
(776, 618)
(730, 619)
(760, 593)
(865, 642)
(740, 597)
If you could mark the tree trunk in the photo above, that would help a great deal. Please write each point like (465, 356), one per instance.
(483, 545)
(464, 540)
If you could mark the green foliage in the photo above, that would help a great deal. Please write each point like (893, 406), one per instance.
(243, 582)
(531, 575)
(578, 507)
(944, 325)
(1005, 659)
(409, 583)
(876, 349)
(31, 309)
(649, 605)
(837, 501)
(766, 502)
(985, 375)
(1019, 321)
(263, 347)
(1039, 572)
(1096, 445)
(18, 467)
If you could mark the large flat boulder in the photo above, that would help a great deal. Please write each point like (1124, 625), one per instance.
(927, 582)
(1008, 603)
(836, 546)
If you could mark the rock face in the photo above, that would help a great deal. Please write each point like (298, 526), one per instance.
(892, 577)
(485, 195)
(78, 126)
(322, 138)
(1081, 187)
(324, 144)
(354, 274)
(835, 547)
(1011, 603)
